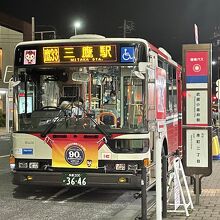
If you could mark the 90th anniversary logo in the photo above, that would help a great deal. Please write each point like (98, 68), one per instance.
(74, 154)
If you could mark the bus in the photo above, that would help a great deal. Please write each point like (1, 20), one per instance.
(88, 110)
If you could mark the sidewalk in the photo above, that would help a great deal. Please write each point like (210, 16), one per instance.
(3, 131)
(209, 207)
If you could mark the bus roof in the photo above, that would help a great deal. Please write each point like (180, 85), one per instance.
(81, 40)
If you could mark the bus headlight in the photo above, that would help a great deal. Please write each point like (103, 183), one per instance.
(132, 167)
(23, 165)
(120, 166)
(33, 165)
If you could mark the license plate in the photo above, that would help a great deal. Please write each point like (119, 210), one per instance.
(74, 179)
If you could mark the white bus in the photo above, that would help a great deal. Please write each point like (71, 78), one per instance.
(70, 129)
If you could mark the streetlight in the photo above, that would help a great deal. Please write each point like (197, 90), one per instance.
(77, 24)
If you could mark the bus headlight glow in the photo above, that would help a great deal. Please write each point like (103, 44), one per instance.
(120, 166)
(23, 165)
(133, 167)
(33, 165)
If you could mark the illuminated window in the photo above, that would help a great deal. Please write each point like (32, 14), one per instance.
(171, 89)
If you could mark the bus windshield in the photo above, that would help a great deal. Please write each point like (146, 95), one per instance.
(111, 95)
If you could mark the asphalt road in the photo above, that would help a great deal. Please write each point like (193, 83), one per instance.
(32, 202)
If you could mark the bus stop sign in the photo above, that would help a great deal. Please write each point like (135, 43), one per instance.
(197, 123)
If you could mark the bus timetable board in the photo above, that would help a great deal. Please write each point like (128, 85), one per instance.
(197, 124)
(49, 54)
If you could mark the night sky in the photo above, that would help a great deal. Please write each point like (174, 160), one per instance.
(164, 23)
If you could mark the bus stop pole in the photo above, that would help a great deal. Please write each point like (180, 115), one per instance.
(164, 186)
(197, 189)
(143, 193)
(158, 179)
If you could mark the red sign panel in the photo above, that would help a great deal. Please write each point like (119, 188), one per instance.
(196, 63)
(196, 105)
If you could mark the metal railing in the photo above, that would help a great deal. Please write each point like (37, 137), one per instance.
(146, 185)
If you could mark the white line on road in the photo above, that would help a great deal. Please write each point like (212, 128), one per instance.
(57, 194)
(5, 170)
(3, 156)
(77, 195)
(31, 197)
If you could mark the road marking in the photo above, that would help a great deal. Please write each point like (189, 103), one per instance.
(5, 170)
(57, 194)
(3, 156)
(36, 198)
(5, 137)
(31, 197)
(77, 195)
(40, 198)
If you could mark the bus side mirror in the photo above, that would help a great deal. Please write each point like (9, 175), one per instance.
(9, 70)
(11, 85)
(142, 70)
(142, 67)
(14, 83)
(139, 74)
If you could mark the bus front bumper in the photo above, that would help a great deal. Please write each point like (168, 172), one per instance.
(92, 179)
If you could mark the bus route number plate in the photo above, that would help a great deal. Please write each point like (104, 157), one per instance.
(74, 179)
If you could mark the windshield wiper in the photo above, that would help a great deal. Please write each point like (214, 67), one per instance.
(97, 126)
(54, 121)
(58, 117)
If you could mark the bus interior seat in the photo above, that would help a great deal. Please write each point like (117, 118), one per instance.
(110, 108)
(108, 118)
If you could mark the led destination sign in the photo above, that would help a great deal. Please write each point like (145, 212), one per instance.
(80, 54)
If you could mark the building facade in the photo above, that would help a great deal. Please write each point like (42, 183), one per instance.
(12, 31)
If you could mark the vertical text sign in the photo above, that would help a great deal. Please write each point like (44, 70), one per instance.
(197, 153)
